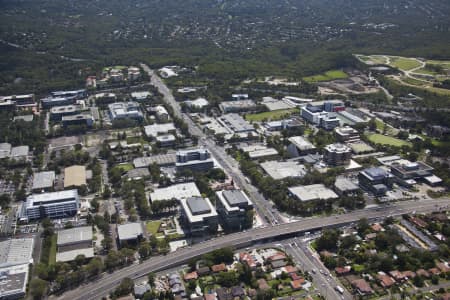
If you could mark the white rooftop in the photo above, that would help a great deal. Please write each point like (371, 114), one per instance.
(43, 180)
(199, 102)
(72, 254)
(129, 231)
(312, 192)
(189, 206)
(283, 169)
(74, 235)
(46, 197)
(157, 129)
(16, 252)
(301, 143)
(177, 191)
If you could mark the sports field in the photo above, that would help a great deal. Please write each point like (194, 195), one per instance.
(327, 76)
(271, 115)
(387, 140)
(404, 63)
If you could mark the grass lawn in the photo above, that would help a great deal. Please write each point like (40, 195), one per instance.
(270, 115)
(358, 268)
(125, 167)
(413, 81)
(404, 63)
(426, 71)
(134, 139)
(153, 226)
(327, 76)
(387, 140)
(52, 255)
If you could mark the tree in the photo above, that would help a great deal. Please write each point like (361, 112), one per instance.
(328, 240)
(151, 279)
(125, 287)
(362, 226)
(38, 288)
(145, 250)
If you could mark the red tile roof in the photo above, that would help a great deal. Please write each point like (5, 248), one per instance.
(190, 276)
(219, 268)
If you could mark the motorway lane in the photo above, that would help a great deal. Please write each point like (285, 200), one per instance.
(102, 286)
(263, 207)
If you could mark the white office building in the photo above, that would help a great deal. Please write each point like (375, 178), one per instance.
(61, 204)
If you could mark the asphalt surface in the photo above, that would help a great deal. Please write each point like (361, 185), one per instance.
(231, 166)
(108, 282)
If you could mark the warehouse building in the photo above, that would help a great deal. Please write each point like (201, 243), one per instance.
(283, 169)
(312, 192)
(43, 181)
(129, 233)
(235, 123)
(176, 191)
(152, 131)
(237, 106)
(73, 242)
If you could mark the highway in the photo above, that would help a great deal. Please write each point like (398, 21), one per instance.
(108, 282)
(230, 165)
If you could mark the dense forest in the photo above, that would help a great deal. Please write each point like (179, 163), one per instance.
(55, 44)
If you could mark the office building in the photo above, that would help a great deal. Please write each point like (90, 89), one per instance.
(54, 205)
(129, 233)
(161, 113)
(176, 191)
(315, 114)
(199, 215)
(78, 119)
(166, 140)
(376, 180)
(344, 186)
(286, 124)
(239, 97)
(329, 121)
(194, 159)
(134, 73)
(58, 112)
(235, 123)
(408, 172)
(27, 100)
(73, 242)
(260, 152)
(237, 106)
(299, 146)
(233, 207)
(77, 94)
(346, 134)
(43, 181)
(198, 103)
(125, 110)
(283, 169)
(337, 154)
(152, 131)
(160, 159)
(333, 106)
(312, 192)
(140, 96)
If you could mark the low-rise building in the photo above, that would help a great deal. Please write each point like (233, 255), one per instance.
(376, 180)
(73, 242)
(19, 153)
(259, 152)
(125, 110)
(176, 191)
(337, 154)
(61, 204)
(152, 131)
(344, 186)
(168, 159)
(233, 207)
(299, 146)
(194, 159)
(199, 215)
(286, 124)
(129, 233)
(408, 172)
(74, 176)
(57, 112)
(140, 96)
(346, 134)
(197, 104)
(43, 181)
(280, 170)
(237, 106)
(235, 123)
(166, 140)
(85, 118)
(312, 192)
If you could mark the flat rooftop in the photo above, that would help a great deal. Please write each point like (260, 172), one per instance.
(345, 184)
(129, 231)
(74, 176)
(157, 129)
(13, 281)
(161, 159)
(43, 180)
(234, 200)
(72, 254)
(74, 235)
(301, 143)
(312, 192)
(16, 252)
(283, 169)
(235, 123)
(38, 199)
(176, 191)
(198, 208)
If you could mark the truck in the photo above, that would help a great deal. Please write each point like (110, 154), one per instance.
(339, 289)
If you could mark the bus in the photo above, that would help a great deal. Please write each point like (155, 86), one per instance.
(339, 289)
